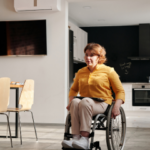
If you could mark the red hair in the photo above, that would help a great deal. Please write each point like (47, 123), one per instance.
(98, 50)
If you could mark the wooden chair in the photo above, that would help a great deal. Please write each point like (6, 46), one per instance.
(26, 101)
(4, 100)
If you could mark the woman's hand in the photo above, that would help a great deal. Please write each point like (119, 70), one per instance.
(116, 109)
(70, 99)
(115, 112)
(68, 107)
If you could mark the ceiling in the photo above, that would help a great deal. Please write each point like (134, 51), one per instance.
(109, 12)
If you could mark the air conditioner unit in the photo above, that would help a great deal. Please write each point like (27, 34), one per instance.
(37, 5)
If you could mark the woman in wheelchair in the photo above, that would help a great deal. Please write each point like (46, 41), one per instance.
(93, 81)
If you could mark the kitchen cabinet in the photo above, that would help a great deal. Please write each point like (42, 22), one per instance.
(84, 43)
(136, 116)
(75, 46)
(128, 97)
(80, 41)
(141, 109)
(79, 44)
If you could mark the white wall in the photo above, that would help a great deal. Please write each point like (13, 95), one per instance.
(49, 72)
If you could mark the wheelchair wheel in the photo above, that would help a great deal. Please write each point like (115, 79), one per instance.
(116, 130)
(67, 127)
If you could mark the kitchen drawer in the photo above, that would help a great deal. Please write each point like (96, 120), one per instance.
(128, 95)
(141, 108)
(128, 100)
(127, 106)
(127, 87)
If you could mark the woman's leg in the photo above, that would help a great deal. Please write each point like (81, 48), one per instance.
(74, 111)
(74, 108)
(87, 109)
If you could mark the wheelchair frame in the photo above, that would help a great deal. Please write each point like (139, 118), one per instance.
(111, 127)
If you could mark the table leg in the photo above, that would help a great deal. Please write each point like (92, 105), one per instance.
(17, 106)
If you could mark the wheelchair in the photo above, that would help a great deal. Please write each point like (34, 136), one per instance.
(115, 129)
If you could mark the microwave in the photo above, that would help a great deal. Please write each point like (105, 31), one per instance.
(141, 97)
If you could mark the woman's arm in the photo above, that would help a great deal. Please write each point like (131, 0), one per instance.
(75, 86)
(119, 92)
(116, 85)
(70, 99)
(73, 90)
(116, 108)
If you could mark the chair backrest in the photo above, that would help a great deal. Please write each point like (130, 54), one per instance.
(27, 95)
(4, 93)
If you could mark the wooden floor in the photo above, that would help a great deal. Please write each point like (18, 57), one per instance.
(50, 137)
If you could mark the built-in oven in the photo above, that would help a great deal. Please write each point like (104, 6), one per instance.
(141, 96)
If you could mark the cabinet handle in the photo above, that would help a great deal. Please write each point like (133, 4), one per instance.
(143, 108)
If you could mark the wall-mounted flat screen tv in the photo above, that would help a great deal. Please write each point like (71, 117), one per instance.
(23, 38)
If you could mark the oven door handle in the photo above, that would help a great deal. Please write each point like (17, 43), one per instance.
(142, 89)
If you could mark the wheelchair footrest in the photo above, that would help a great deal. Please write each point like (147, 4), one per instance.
(73, 149)
(68, 135)
(95, 145)
(100, 128)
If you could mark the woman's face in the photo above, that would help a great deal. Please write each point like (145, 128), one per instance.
(91, 59)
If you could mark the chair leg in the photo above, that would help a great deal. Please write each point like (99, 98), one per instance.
(9, 129)
(20, 129)
(34, 125)
(7, 126)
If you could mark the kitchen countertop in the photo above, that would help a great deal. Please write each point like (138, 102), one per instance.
(136, 83)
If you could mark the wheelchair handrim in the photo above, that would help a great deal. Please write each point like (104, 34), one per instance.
(110, 139)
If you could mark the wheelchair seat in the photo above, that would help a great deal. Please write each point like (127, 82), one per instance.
(105, 113)
(115, 128)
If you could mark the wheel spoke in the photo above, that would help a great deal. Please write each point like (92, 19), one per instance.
(116, 140)
(118, 131)
(116, 125)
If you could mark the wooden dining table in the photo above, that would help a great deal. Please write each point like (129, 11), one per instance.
(16, 87)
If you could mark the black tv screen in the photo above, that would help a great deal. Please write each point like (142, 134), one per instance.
(23, 38)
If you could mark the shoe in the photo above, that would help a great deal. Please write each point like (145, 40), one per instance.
(83, 143)
(68, 143)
